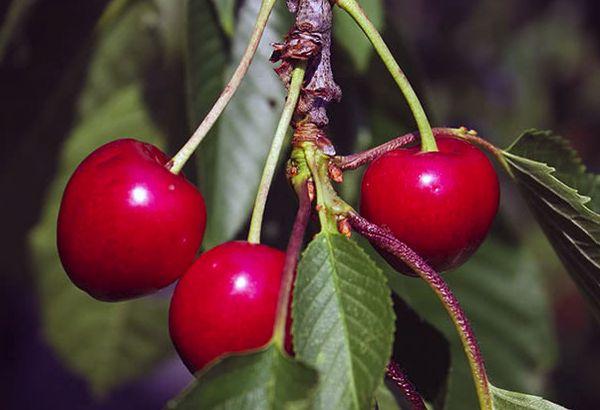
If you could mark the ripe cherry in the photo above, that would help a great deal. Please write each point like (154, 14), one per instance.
(226, 302)
(441, 204)
(127, 226)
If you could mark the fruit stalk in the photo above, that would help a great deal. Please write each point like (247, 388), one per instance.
(190, 146)
(359, 159)
(353, 161)
(291, 260)
(356, 12)
(386, 241)
(274, 152)
(407, 389)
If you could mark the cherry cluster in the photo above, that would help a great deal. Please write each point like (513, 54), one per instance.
(129, 226)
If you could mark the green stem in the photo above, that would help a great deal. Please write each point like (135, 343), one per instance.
(272, 158)
(190, 146)
(356, 12)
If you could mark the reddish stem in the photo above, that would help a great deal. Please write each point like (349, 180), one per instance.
(359, 159)
(407, 389)
(384, 239)
(291, 259)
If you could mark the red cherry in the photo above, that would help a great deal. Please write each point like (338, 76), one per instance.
(127, 226)
(226, 302)
(441, 204)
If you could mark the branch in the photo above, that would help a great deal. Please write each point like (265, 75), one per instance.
(384, 239)
(291, 260)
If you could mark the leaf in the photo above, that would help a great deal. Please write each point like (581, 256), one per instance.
(385, 398)
(565, 201)
(349, 35)
(414, 340)
(503, 295)
(343, 321)
(105, 343)
(205, 62)
(266, 379)
(245, 132)
(226, 12)
(14, 17)
(508, 400)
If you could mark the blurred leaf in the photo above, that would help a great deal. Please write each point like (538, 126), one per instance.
(501, 291)
(423, 353)
(564, 199)
(508, 400)
(13, 18)
(205, 62)
(107, 343)
(226, 13)
(385, 398)
(343, 321)
(245, 132)
(347, 33)
(266, 379)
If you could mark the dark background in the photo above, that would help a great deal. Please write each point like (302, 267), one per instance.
(460, 54)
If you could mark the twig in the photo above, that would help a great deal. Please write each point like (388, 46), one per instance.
(291, 260)
(385, 240)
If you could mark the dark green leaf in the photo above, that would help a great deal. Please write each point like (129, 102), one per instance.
(226, 13)
(385, 398)
(245, 132)
(501, 291)
(565, 201)
(508, 400)
(414, 340)
(266, 379)
(206, 60)
(14, 16)
(343, 321)
(105, 343)
(347, 33)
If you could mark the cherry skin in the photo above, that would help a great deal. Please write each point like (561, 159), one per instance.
(441, 204)
(127, 226)
(226, 303)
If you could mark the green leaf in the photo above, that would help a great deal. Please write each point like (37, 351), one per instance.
(347, 33)
(226, 13)
(508, 400)
(245, 132)
(343, 321)
(565, 201)
(502, 293)
(107, 343)
(14, 17)
(266, 379)
(205, 62)
(385, 398)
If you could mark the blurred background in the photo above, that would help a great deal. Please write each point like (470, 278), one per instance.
(75, 74)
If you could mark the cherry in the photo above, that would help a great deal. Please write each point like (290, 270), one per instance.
(441, 204)
(226, 302)
(127, 226)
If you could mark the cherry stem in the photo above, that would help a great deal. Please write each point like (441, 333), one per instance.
(359, 159)
(353, 161)
(356, 12)
(291, 261)
(407, 389)
(179, 160)
(274, 152)
(384, 239)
